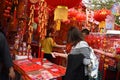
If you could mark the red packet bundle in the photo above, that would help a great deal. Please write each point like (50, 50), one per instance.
(22, 62)
(40, 75)
(62, 70)
(30, 67)
(35, 75)
(57, 71)
(46, 75)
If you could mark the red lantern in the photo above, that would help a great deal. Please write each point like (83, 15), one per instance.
(68, 3)
(72, 12)
(80, 17)
(100, 15)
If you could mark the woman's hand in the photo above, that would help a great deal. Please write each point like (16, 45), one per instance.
(11, 73)
(54, 54)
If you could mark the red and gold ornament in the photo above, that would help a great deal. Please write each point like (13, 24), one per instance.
(100, 15)
(80, 16)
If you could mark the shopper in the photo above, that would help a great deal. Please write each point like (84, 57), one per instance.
(85, 32)
(48, 44)
(77, 58)
(6, 65)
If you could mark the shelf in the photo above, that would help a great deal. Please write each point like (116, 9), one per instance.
(113, 32)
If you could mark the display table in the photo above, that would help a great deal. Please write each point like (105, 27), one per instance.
(34, 69)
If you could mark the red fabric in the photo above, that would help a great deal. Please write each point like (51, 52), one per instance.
(68, 3)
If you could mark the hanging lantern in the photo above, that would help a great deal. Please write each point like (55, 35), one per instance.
(80, 17)
(61, 9)
(61, 13)
(100, 15)
(72, 12)
(68, 3)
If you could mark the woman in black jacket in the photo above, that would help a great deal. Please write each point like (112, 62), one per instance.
(5, 60)
(75, 67)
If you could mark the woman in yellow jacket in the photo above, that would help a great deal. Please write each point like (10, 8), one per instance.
(47, 45)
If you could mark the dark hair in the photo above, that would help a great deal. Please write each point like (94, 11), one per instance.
(74, 35)
(1, 29)
(51, 30)
(47, 34)
(86, 31)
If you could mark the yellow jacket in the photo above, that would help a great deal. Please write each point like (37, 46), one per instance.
(47, 45)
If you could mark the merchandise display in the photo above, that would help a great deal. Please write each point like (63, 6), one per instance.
(33, 69)
(107, 49)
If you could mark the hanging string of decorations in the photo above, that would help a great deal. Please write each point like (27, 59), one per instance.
(7, 11)
(38, 17)
(42, 19)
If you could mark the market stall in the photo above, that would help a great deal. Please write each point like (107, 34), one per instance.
(26, 21)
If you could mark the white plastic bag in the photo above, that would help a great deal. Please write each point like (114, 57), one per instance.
(94, 65)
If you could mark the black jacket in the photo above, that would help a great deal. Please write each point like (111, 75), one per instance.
(75, 67)
(5, 58)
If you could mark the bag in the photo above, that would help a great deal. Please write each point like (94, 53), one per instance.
(94, 65)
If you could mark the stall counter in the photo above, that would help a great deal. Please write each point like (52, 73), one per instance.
(34, 69)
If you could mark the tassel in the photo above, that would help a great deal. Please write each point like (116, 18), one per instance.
(58, 24)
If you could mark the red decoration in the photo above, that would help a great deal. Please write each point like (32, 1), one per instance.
(6, 11)
(68, 3)
(80, 17)
(76, 15)
(66, 22)
(116, 27)
(82, 6)
(118, 50)
(100, 15)
(72, 12)
(36, 19)
(8, 8)
(6, 15)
